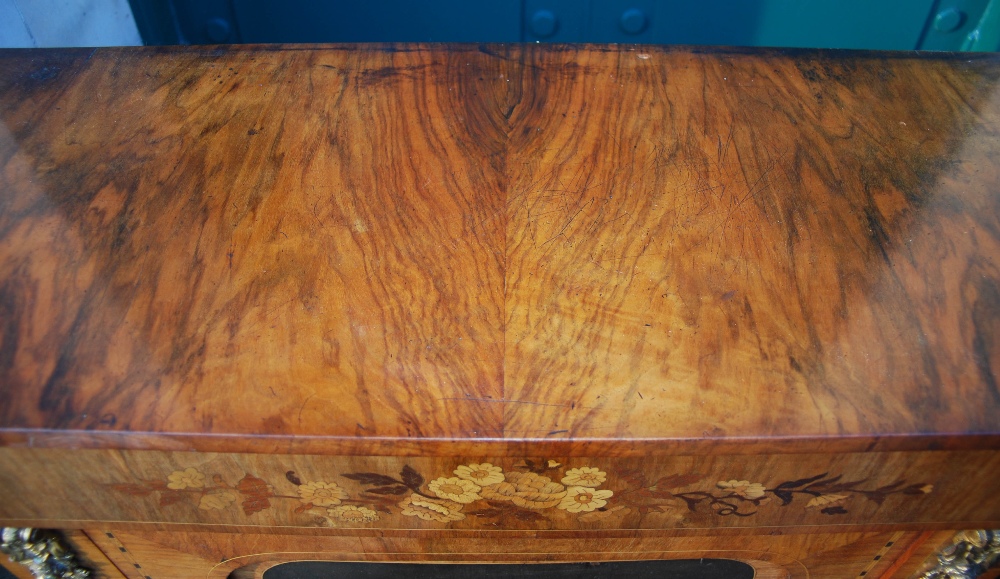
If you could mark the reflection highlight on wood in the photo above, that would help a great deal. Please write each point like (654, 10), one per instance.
(342, 248)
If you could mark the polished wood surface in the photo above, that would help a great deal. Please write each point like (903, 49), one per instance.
(397, 302)
(497, 244)
(802, 556)
(329, 495)
(92, 556)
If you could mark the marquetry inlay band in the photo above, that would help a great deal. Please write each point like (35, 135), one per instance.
(970, 555)
(43, 552)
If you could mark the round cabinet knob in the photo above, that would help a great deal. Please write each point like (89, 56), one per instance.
(218, 30)
(633, 21)
(543, 23)
(948, 20)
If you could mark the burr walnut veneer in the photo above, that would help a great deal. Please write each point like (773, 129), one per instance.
(499, 303)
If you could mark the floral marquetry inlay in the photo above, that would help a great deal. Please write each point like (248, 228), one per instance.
(529, 493)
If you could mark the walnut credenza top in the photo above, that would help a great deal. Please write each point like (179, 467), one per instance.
(424, 257)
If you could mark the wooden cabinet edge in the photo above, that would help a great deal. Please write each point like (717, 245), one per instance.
(100, 554)
(497, 447)
(223, 555)
(92, 556)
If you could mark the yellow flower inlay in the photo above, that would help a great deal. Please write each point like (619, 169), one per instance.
(440, 510)
(353, 514)
(217, 500)
(455, 489)
(585, 477)
(482, 474)
(584, 499)
(185, 479)
(321, 494)
(527, 490)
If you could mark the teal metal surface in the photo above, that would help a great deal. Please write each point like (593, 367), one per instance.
(869, 24)
(861, 24)
(952, 21)
(378, 20)
(985, 36)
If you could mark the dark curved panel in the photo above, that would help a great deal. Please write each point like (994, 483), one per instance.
(681, 569)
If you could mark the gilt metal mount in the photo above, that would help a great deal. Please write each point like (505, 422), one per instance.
(970, 555)
(45, 553)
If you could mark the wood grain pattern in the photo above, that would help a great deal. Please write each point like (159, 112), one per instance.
(335, 250)
(278, 290)
(331, 495)
(215, 555)
(91, 556)
(736, 245)
(314, 271)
